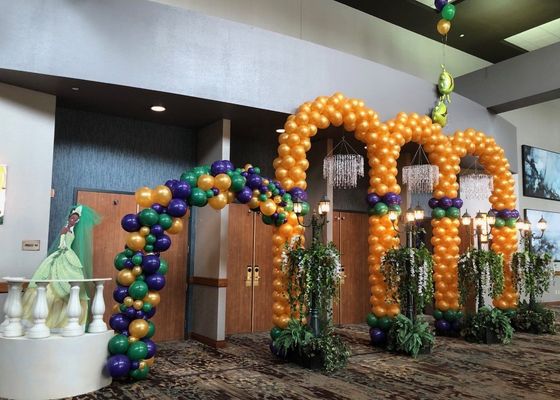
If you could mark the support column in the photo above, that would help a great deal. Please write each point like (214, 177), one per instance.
(210, 245)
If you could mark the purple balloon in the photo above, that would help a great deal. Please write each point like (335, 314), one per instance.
(155, 281)
(439, 4)
(514, 214)
(456, 325)
(157, 208)
(442, 325)
(433, 202)
(151, 313)
(215, 191)
(244, 174)
(171, 183)
(128, 263)
(377, 336)
(119, 322)
(263, 188)
(120, 293)
(156, 230)
(391, 199)
(254, 181)
(281, 192)
(162, 243)
(298, 194)
(244, 195)
(177, 208)
(130, 223)
(134, 364)
(445, 202)
(118, 365)
(457, 202)
(229, 165)
(151, 348)
(181, 190)
(150, 264)
(130, 313)
(372, 199)
(138, 314)
(218, 167)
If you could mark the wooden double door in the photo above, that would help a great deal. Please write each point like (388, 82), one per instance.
(249, 266)
(350, 235)
(109, 239)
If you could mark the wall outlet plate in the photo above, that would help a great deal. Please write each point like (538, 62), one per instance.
(30, 245)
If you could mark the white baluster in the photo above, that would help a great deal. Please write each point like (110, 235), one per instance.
(4, 324)
(97, 310)
(40, 330)
(14, 311)
(73, 312)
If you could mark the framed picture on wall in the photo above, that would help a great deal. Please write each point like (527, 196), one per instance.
(550, 242)
(540, 173)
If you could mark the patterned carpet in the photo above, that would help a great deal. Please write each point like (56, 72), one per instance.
(529, 368)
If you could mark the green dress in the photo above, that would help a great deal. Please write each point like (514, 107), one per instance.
(61, 264)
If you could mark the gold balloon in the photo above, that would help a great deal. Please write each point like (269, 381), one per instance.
(253, 203)
(137, 270)
(218, 202)
(144, 231)
(162, 195)
(176, 226)
(443, 27)
(143, 196)
(222, 182)
(149, 361)
(128, 301)
(137, 304)
(142, 364)
(268, 207)
(132, 339)
(152, 297)
(205, 182)
(125, 277)
(138, 328)
(135, 241)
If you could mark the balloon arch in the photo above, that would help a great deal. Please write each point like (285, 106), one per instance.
(142, 271)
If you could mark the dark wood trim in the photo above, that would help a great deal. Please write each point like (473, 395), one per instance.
(552, 303)
(203, 281)
(4, 287)
(218, 344)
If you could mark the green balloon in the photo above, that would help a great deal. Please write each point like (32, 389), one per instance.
(163, 266)
(137, 350)
(147, 307)
(289, 206)
(138, 290)
(380, 209)
(190, 178)
(438, 213)
(140, 373)
(148, 248)
(267, 220)
(396, 208)
(197, 197)
(278, 222)
(458, 315)
(237, 182)
(453, 212)
(449, 315)
(371, 211)
(372, 320)
(209, 193)
(448, 12)
(262, 197)
(120, 259)
(150, 239)
(282, 216)
(305, 208)
(206, 168)
(275, 192)
(148, 217)
(384, 323)
(257, 170)
(271, 187)
(275, 333)
(287, 197)
(438, 314)
(151, 330)
(165, 221)
(137, 259)
(198, 171)
(122, 307)
(128, 253)
(118, 344)
(499, 223)
(510, 222)
(140, 277)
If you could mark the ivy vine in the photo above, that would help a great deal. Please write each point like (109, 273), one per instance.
(480, 267)
(532, 273)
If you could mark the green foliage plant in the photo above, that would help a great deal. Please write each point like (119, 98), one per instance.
(532, 274)
(535, 319)
(480, 268)
(477, 327)
(409, 337)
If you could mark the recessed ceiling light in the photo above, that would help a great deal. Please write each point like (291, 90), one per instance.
(75, 89)
(157, 108)
(462, 35)
(280, 130)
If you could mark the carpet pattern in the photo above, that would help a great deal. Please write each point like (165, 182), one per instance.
(529, 368)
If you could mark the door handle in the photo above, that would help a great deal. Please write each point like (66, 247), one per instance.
(256, 275)
(342, 275)
(249, 276)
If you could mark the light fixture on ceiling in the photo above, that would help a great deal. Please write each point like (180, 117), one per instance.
(75, 89)
(157, 108)
(462, 35)
(280, 130)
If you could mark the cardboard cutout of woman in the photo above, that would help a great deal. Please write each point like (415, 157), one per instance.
(71, 260)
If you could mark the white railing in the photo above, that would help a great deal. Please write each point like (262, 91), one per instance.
(13, 327)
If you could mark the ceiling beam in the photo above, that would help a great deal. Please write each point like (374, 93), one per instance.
(522, 81)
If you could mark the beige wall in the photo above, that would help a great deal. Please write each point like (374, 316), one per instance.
(340, 27)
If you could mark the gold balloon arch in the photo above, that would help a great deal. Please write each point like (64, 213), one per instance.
(384, 142)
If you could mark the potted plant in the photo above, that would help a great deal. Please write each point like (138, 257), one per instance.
(535, 319)
(408, 337)
(488, 326)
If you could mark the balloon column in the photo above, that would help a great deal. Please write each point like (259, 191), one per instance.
(142, 270)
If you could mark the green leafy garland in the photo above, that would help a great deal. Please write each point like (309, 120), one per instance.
(476, 327)
(480, 263)
(532, 273)
(419, 282)
(409, 337)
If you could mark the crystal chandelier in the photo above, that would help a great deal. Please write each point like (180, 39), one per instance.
(420, 178)
(341, 170)
(476, 186)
